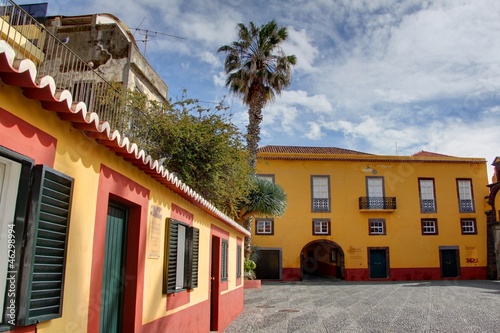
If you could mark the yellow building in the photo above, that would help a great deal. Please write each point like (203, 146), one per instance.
(357, 216)
(95, 235)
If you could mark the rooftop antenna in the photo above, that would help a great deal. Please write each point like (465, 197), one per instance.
(149, 33)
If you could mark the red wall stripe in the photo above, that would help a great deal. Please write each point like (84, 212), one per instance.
(25, 139)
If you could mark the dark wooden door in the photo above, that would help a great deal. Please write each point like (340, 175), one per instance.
(268, 265)
(449, 263)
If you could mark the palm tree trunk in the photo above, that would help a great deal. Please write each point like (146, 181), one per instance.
(253, 128)
(247, 224)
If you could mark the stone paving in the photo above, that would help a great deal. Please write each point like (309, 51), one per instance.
(415, 306)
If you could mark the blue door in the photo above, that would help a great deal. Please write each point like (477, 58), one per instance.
(378, 263)
(113, 275)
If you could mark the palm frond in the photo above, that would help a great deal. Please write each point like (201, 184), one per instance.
(266, 199)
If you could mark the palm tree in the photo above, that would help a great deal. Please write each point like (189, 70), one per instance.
(257, 70)
(266, 199)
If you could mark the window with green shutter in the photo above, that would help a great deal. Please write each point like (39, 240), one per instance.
(39, 228)
(181, 257)
(224, 260)
(238, 261)
(42, 281)
(193, 248)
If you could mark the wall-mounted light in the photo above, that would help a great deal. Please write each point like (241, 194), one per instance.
(368, 169)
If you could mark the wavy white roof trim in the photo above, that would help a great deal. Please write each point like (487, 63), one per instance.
(22, 73)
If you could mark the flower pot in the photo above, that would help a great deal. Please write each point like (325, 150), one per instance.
(252, 284)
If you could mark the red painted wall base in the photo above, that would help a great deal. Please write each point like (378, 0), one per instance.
(411, 274)
(397, 274)
(291, 274)
(196, 318)
(230, 306)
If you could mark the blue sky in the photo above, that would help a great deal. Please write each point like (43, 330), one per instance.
(379, 76)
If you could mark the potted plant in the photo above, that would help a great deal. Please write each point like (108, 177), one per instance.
(250, 278)
(250, 266)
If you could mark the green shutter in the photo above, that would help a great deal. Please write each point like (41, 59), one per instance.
(192, 266)
(170, 260)
(42, 279)
(238, 261)
(224, 260)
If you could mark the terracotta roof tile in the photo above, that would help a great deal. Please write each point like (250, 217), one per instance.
(424, 153)
(22, 73)
(309, 150)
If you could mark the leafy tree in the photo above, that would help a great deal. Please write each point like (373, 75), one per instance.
(202, 146)
(257, 70)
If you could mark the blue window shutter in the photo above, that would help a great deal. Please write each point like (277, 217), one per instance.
(42, 282)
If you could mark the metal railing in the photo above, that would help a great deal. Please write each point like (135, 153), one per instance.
(388, 203)
(31, 40)
(321, 205)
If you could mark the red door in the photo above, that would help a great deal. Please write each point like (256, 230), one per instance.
(214, 284)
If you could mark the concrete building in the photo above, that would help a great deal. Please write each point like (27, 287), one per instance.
(106, 45)
(358, 216)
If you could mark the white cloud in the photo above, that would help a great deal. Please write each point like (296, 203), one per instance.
(315, 103)
(219, 79)
(300, 45)
(314, 132)
(211, 59)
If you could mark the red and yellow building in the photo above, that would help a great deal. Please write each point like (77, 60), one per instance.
(358, 216)
(97, 236)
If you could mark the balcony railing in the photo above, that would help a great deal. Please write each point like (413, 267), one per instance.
(427, 206)
(466, 205)
(383, 203)
(31, 40)
(321, 205)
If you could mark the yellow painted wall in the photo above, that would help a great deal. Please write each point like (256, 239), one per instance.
(81, 157)
(349, 225)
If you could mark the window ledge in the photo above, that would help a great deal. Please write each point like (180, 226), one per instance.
(377, 210)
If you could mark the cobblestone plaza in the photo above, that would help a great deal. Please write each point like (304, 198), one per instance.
(416, 306)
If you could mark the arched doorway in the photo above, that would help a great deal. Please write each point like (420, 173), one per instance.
(322, 258)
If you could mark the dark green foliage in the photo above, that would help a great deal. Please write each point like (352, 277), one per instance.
(202, 146)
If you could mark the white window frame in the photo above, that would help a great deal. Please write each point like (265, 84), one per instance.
(264, 227)
(320, 190)
(181, 257)
(429, 227)
(464, 188)
(376, 226)
(269, 178)
(468, 226)
(375, 189)
(321, 227)
(10, 173)
(426, 188)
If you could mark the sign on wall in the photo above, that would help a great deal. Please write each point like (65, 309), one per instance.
(154, 232)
